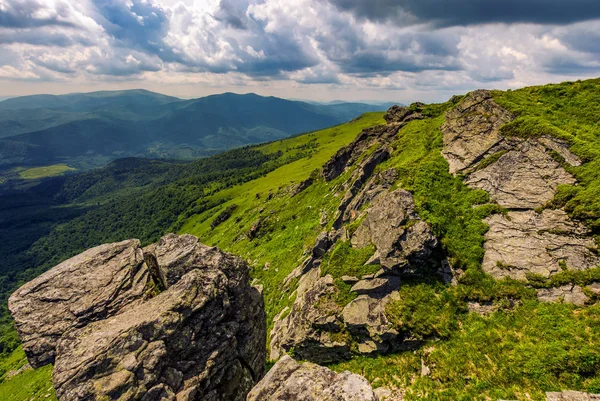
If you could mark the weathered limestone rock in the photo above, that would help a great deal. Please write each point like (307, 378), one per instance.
(569, 293)
(364, 317)
(378, 285)
(91, 286)
(401, 114)
(402, 239)
(177, 254)
(290, 381)
(309, 326)
(472, 130)
(202, 339)
(571, 396)
(539, 243)
(523, 178)
(101, 318)
(348, 155)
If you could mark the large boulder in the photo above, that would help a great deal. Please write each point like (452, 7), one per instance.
(291, 381)
(524, 177)
(309, 328)
(177, 319)
(203, 338)
(93, 285)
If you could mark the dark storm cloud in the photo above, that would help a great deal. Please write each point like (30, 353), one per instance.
(473, 12)
(411, 52)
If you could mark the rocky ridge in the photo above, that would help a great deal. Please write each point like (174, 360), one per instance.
(521, 175)
(316, 327)
(177, 319)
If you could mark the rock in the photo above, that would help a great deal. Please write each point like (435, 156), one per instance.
(309, 326)
(93, 285)
(529, 242)
(203, 338)
(364, 317)
(571, 396)
(562, 148)
(324, 219)
(348, 155)
(594, 288)
(256, 228)
(322, 244)
(177, 319)
(525, 177)
(425, 370)
(223, 216)
(570, 294)
(472, 130)
(401, 114)
(176, 255)
(291, 381)
(349, 279)
(302, 186)
(402, 239)
(376, 286)
(384, 394)
(483, 309)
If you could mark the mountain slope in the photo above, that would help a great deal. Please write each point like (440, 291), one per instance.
(441, 334)
(89, 129)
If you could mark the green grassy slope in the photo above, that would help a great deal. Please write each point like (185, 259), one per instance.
(514, 353)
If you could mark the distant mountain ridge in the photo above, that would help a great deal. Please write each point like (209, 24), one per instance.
(89, 129)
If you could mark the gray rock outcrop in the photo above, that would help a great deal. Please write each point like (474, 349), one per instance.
(311, 325)
(402, 239)
(472, 130)
(531, 242)
(291, 381)
(568, 395)
(318, 327)
(520, 174)
(91, 286)
(197, 331)
(569, 293)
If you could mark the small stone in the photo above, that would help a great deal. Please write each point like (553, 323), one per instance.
(349, 279)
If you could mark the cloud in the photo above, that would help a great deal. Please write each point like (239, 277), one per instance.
(33, 14)
(404, 46)
(472, 12)
(232, 14)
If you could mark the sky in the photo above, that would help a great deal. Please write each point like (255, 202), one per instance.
(387, 50)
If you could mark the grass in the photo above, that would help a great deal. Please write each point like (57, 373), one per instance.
(45, 171)
(289, 225)
(30, 384)
(516, 354)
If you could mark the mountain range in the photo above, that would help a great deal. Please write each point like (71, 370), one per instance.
(90, 129)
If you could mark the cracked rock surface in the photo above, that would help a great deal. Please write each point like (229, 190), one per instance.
(316, 327)
(539, 243)
(520, 174)
(202, 338)
(90, 286)
(288, 380)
